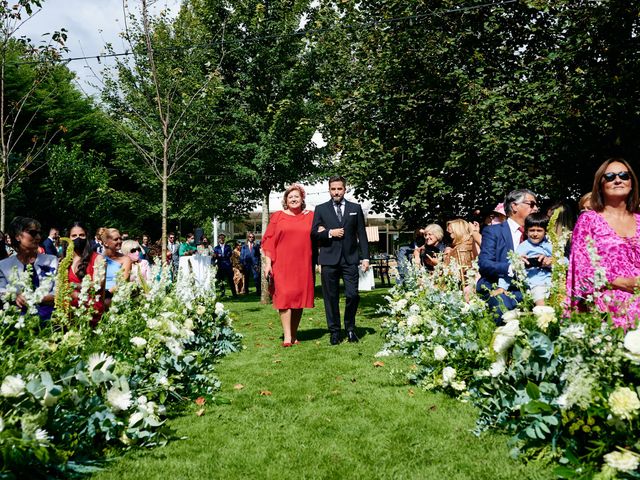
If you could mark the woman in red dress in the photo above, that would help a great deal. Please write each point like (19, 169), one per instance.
(83, 264)
(287, 248)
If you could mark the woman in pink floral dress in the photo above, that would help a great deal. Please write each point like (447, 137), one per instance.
(611, 231)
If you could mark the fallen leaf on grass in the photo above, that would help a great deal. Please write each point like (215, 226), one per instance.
(200, 401)
(338, 378)
(277, 361)
(411, 392)
(433, 408)
(200, 412)
(238, 386)
(353, 380)
(265, 393)
(378, 364)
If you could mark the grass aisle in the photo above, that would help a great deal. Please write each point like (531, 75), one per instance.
(317, 411)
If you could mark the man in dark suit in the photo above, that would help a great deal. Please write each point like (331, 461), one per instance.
(250, 259)
(497, 240)
(222, 256)
(338, 227)
(50, 243)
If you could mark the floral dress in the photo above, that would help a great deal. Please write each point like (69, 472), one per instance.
(618, 257)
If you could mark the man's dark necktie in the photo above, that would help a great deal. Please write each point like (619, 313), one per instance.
(338, 212)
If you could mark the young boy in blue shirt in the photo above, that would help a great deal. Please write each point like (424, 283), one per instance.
(536, 250)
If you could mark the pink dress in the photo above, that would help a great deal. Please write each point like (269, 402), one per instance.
(287, 242)
(619, 257)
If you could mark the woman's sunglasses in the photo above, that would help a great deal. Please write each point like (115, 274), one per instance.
(611, 176)
(134, 250)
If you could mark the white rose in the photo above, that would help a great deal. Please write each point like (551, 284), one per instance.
(138, 342)
(624, 403)
(200, 310)
(12, 386)
(510, 315)
(401, 305)
(118, 399)
(505, 336)
(440, 353)
(219, 309)
(624, 461)
(632, 344)
(545, 315)
(459, 386)
(448, 374)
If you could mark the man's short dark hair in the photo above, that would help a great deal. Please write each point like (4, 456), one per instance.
(338, 178)
(536, 220)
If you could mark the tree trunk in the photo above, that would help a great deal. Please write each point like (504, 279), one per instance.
(264, 297)
(165, 181)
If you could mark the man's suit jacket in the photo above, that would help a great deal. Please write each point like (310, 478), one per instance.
(493, 262)
(50, 247)
(250, 257)
(223, 256)
(355, 234)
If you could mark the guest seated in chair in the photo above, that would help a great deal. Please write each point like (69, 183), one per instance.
(497, 240)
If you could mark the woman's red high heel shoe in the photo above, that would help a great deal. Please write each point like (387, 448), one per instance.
(287, 344)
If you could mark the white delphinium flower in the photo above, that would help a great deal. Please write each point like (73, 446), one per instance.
(96, 359)
(12, 386)
(439, 353)
(19, 323)
(623, 460)
(414, 309)
(200, 310)
(1, 424)
(219, 309)
(624, 403)
(138, 342)
(632, 344)
(545, 315)
(448, 374)
(579, 388)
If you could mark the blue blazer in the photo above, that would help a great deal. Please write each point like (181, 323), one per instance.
(223, 256)
(492, 261)
(49, 247)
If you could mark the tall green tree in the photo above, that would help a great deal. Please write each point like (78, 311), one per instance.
(267, 72)
(437, 107)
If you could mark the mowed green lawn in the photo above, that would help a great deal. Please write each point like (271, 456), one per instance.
(321, 412)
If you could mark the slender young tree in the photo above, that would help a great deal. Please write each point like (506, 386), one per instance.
(24, 66)
(161, 95)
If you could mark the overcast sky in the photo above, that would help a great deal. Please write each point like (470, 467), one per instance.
(90, 24)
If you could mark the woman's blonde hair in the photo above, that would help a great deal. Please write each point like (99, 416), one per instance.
(460, 230)
(129, 245)
(291, 188)
(107, 233)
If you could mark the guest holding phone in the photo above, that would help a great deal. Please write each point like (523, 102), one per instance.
(536, 252)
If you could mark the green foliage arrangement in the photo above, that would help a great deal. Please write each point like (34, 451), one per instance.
(70, 393)
(565, 389)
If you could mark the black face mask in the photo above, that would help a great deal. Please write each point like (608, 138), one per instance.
(79, 244)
